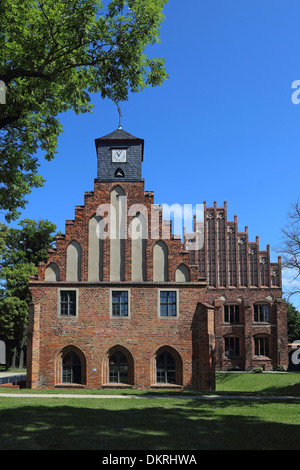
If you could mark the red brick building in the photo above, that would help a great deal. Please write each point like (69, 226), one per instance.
(123, 302)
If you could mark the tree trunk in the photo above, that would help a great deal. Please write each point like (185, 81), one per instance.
(22, 349)
(13, 358)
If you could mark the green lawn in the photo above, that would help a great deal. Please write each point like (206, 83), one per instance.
(150, 424)
(263, 384)
(157, 423)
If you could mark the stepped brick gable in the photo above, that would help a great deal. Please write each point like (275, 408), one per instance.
(124, 302)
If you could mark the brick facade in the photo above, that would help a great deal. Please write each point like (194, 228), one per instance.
(239, 273)
(95, 347)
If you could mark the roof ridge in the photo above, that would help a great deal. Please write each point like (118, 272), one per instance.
(119, 134)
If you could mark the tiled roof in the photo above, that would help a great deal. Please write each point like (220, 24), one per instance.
(119, 134)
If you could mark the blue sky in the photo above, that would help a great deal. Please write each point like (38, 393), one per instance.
(222, 128)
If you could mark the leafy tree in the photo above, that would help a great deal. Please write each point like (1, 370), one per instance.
(3, 235)
(53, 56)
(293, 320)
(22, 250)
(290, 248)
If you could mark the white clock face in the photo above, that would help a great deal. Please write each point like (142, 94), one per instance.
(119, 155)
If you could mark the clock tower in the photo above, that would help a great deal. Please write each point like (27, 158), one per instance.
(119, 157)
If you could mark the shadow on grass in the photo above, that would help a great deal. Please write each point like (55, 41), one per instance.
(289, 390)
(142, 425)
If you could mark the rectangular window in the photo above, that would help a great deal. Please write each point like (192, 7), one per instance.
(68, 302)
(261, 313)
(261, 346)
(168, 304)
(231, 313)
(232, 346)
(119, 303)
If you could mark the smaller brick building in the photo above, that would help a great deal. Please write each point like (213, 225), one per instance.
(123, 302)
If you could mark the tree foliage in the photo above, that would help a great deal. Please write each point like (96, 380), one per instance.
(293, 321)
(290, 248)
(20, 252)
(54, 56)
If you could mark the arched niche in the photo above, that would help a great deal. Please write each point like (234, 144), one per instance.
(52, 272)
(182, 273)
(138, 248)
(95, 250)
(117, 234)
(73, 262)
(160, 262)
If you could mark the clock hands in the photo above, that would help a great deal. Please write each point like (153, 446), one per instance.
(119, 155)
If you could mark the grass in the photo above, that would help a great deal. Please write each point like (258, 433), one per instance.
(152, 424)
(260, 384)
(12, 369)
(157, 423)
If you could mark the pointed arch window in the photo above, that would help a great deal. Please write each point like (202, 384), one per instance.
(165, 368)
(71, 368)
(118, 368)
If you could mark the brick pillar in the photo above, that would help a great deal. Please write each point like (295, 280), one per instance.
(33, 346)
(203, 348)
(248, 322)
(218, 334)
(282, 337)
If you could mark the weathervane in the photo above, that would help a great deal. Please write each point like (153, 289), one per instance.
(120, 116)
